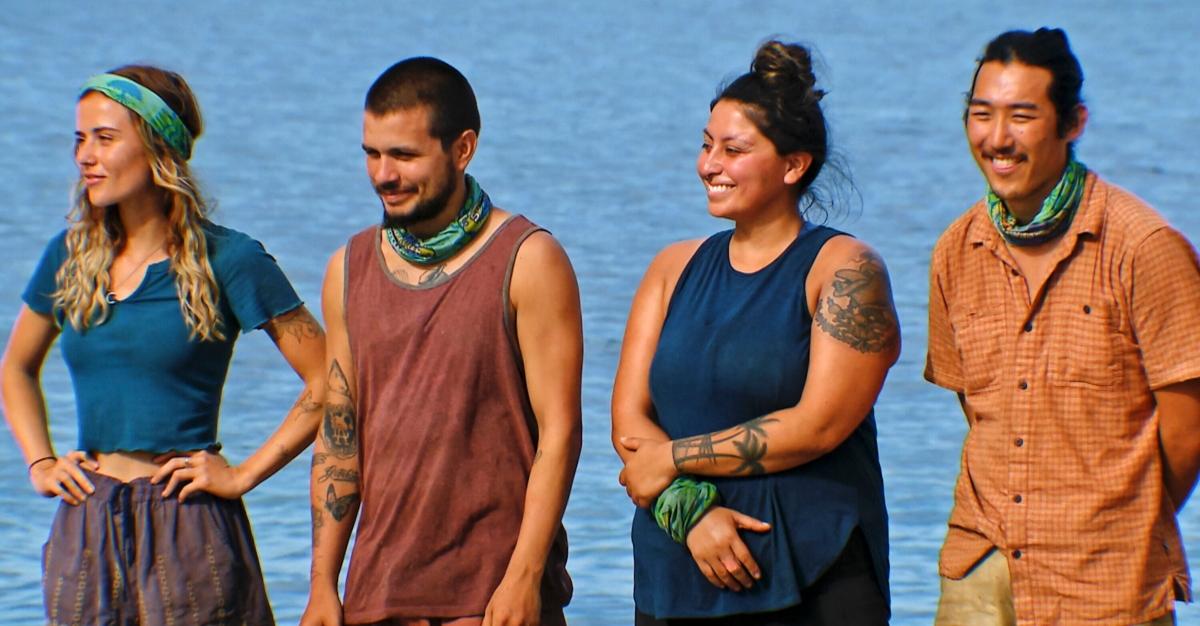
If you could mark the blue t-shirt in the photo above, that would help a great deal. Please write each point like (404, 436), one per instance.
(733, 347)
(140, 382)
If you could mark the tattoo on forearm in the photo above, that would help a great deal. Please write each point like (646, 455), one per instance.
(318, 520)
(339, 430)
(319, 458)
(338, 506)
(860, 313)
(298, 323)
(339, 474)
(304, 405)
(749, 441)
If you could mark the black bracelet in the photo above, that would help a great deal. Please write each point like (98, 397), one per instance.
(40, 460)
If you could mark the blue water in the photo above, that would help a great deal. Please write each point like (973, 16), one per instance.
(591, 122)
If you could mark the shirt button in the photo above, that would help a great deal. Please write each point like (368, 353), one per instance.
(1087, 309)
(1017, 498)
(1016, 554)
(1019, 442)
(1029, 327)
(1023, 385)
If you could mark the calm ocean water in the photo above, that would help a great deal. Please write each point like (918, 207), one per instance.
(592, 117)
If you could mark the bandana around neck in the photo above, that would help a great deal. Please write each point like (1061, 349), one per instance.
(452, 238)
(1058, 209)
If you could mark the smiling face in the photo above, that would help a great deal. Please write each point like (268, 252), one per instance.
(741, 170)
(417, 180)
(1012, 130)
(109, 152)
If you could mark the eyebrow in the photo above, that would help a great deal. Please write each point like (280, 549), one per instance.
(741, 138)
(96, 129)
(1015, 105)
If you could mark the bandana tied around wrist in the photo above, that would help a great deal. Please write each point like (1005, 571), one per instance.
(147, 105)
(682, 504)
(1058, 209)
(452, 238)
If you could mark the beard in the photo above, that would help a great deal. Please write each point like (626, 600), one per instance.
(425, 209)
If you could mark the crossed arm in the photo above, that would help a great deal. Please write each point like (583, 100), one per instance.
(855, 340)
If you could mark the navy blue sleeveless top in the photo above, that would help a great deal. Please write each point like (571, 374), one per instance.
(733, 347)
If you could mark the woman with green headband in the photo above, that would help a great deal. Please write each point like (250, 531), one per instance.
(149, 296)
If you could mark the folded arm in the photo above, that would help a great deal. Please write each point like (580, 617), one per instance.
(855, 340)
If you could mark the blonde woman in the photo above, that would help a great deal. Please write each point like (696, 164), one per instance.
(149, 297)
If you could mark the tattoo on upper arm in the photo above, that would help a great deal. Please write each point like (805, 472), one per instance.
(338, 506)
(860, 313)
(339, 431)
(298, 323)
(749, 441)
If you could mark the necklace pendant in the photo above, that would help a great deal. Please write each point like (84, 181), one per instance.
(111, 298)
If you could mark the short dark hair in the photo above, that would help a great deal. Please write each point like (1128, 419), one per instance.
(782, 100)
(430, 82)
(1046, 48)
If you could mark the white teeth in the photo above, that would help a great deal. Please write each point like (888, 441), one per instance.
(712, 187)
(1004, 162)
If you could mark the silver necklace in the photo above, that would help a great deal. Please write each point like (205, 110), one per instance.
(111, 296)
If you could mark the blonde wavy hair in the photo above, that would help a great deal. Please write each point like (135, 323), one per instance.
(95, 234)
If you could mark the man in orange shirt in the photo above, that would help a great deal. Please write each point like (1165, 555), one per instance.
(1065, 313)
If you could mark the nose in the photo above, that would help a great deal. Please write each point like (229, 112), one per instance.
(85, 155)
(999, 135)
(382, 171)
(709, 162)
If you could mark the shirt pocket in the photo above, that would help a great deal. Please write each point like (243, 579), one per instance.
(1086, 346)
(979, 336)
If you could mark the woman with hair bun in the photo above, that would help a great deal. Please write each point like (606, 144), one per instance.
(149, 296)
(743, 402)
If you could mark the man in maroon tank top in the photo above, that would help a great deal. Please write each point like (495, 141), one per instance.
(452, 427)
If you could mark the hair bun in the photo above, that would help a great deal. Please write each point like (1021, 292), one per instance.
(787, 67)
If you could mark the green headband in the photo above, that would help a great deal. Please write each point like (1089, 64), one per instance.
(147, 105)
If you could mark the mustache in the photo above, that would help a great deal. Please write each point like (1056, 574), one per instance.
(1000, 152)
(388, 187)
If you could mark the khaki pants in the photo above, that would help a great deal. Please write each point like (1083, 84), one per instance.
(984, 597)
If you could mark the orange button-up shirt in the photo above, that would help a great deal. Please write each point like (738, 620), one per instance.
(1061, 469)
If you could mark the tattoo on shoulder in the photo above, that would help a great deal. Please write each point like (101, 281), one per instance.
(297, 323)
(339, 431)
(860, 313)
(338, 506)
(749, 441)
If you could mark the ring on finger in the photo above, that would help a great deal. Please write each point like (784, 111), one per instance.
(187, 462)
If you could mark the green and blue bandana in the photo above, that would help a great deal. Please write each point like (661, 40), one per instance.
(452, 238)
(147, 105)
(1058, 209)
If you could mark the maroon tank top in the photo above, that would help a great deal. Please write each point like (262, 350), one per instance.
(446, 434)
